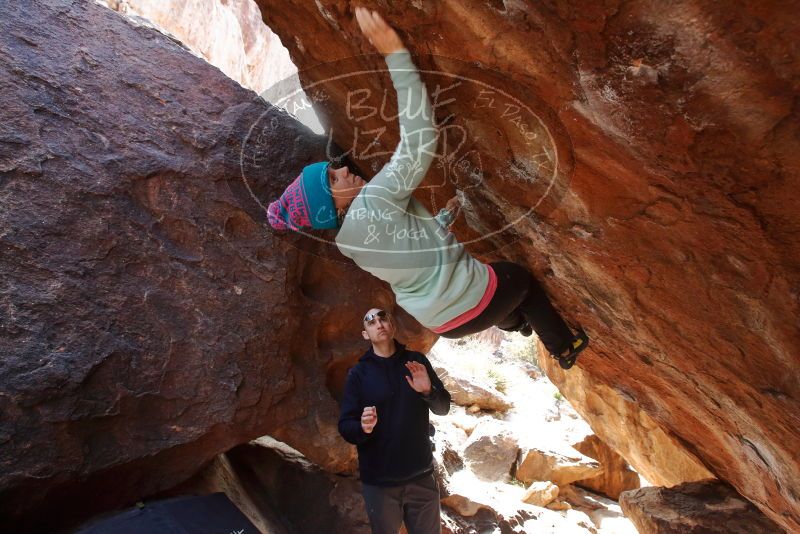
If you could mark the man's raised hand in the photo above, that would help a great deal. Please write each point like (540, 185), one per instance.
(378, 32)
(419, 379)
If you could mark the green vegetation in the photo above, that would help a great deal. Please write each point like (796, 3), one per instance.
(523, 349)
(497, 379)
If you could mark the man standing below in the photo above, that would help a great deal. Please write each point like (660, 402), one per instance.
(385, 414)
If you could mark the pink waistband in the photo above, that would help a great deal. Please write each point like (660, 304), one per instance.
(474, 312)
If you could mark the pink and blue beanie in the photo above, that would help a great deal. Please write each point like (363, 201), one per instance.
(306, 203)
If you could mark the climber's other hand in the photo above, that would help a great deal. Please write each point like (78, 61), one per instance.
(452, 204)
(378, 32)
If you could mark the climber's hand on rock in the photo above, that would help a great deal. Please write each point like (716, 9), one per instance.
(452, 204)
(369, 418)
(381, 35)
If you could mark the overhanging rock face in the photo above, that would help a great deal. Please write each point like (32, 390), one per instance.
(149, 319)
(668, 134)
(628, 429)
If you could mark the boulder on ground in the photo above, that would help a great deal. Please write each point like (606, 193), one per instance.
(559, 467)
(467, 392)
(491, 450)
(540, 493)
(448, 441)
(463, 505)
(707, 506)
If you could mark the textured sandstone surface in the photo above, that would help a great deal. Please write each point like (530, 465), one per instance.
(149, 320)
(707, 507)
(625, 427)
(617, 475)
(488, 507)
(671, 228)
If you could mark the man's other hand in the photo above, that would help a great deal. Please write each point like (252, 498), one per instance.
(419, 379)
(369, 418)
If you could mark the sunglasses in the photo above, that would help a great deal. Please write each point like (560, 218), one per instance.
(370, 317)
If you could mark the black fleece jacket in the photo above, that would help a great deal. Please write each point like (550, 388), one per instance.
(399, 449)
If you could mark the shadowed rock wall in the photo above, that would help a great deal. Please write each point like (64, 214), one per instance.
(149, 319)
(669, 133)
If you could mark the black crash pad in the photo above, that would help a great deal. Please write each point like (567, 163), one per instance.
(207, 514)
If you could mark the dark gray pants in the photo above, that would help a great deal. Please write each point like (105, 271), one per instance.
(415, 503)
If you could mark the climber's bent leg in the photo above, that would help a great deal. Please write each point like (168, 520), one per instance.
(515, 323)
(520, 303)
(543, 317)
(519, 295)
(502, 309)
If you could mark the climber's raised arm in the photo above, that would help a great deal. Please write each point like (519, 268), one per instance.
(418, 137)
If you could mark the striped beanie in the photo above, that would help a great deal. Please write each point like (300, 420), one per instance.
(306, 203)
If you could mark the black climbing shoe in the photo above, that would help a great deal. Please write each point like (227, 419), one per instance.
(525, 330)
(567, 358)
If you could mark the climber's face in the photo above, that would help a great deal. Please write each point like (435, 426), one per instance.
(378, 326)
(344, 185)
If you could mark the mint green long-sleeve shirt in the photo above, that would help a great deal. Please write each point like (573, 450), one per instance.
(391, 235)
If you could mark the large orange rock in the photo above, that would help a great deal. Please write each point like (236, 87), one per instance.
(657, 145)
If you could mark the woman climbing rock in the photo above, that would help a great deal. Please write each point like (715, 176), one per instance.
(390, 234)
